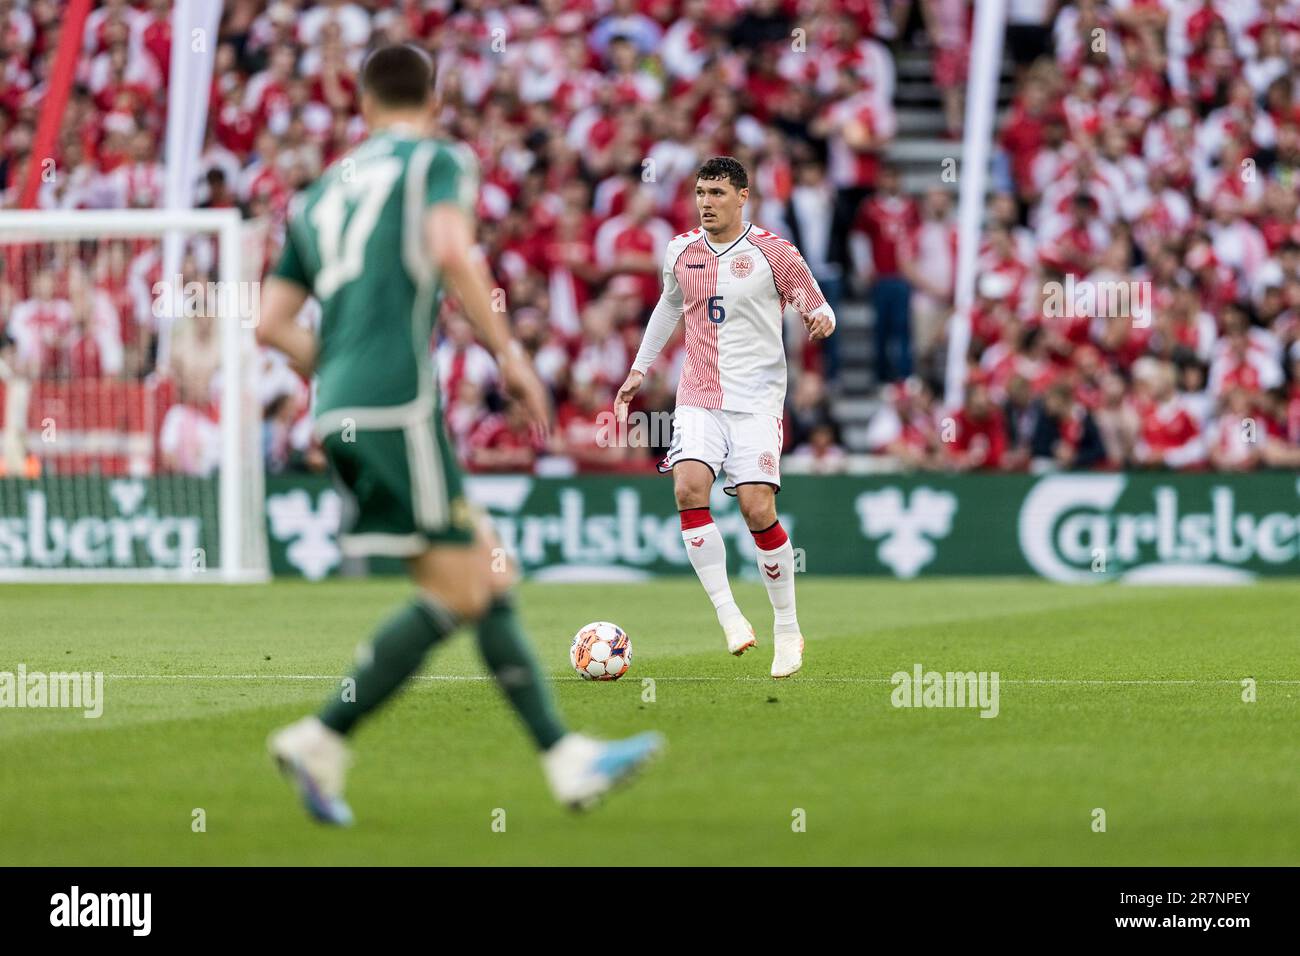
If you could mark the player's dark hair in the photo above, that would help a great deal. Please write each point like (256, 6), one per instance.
(725, 167)
(398, 76)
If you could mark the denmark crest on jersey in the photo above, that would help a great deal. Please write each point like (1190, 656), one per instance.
(742, 265)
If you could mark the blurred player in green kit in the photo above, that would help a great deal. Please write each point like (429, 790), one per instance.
(374, 240)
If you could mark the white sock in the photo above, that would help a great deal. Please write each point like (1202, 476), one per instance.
(708, 554)
(776, 568)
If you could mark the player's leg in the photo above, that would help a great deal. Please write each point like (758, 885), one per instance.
(699, 446)
(376, 474)
(314, 750)
(409, 495)
(754, 474)
(578, 768)
(505, 650)
(776, 567)
(446, 595)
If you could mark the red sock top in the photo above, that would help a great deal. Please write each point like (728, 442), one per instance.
(769, 539)
(695, 518)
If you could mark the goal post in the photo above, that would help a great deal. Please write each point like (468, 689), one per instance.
(131, 447)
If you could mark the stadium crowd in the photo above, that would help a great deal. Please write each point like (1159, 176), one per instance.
(1150, 143)
(1149, 175)
(1155, 154)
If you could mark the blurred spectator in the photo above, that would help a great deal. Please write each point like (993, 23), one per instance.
(858, 124)
(603, 357)
(94, 346)
(503, 442)
(806, 409)
(1065, 435)
(1236, 437)
(978, 433)
(460, 359)
(906, 426)
(219, 195)
(1029, 34)
(582, 435)
(195, 356)
(1170, 435)
(821, 454)
(948, 25)
(887, 221)
(930, 267)
(189, 441)
(41, 326)
(1021, 412)
(1117, 420)
(809, 219)
(631, 245)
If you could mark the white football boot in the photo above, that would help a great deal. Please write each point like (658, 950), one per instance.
(316, 759)
(740, 635)
(788, 657)
(581, 769)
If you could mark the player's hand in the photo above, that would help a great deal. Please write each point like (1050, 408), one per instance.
(522, 383)
(819, 326)
(625, 394)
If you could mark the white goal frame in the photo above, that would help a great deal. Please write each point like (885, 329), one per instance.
(244, 554)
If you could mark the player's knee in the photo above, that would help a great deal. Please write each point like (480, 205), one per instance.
(691, 491)
(462, 587)
(758, 514)
(475, 603)
(691, 496)
(468, 602)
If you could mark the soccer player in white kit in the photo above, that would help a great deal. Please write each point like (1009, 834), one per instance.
(731, 282)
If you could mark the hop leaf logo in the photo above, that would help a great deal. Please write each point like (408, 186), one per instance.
(908, 529)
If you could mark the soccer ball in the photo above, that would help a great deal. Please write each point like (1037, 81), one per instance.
(601, 651)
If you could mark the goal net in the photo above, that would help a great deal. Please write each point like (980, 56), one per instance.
(130, 446)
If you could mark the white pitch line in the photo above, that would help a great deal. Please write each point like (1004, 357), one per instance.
(1068, 682)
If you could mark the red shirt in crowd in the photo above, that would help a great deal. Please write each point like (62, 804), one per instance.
(888, 222)
(990, 431)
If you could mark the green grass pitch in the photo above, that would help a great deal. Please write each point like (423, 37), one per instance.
(1121, 698)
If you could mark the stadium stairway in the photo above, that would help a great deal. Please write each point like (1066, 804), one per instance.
(919, 148)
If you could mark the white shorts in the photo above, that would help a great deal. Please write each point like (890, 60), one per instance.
(747, 444)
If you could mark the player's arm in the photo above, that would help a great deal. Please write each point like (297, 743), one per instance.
(663, 323)
(798, 287)
(283, 295)
(450, 240)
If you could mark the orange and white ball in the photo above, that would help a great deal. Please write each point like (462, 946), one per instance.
(601, 651)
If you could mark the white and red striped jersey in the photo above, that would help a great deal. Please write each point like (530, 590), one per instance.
(733, 299)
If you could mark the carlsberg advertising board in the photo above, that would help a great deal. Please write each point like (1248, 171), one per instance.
(95, 524)
(1085, 528)
(1076, 527)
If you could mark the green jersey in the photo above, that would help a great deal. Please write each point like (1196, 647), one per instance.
(356, 240)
